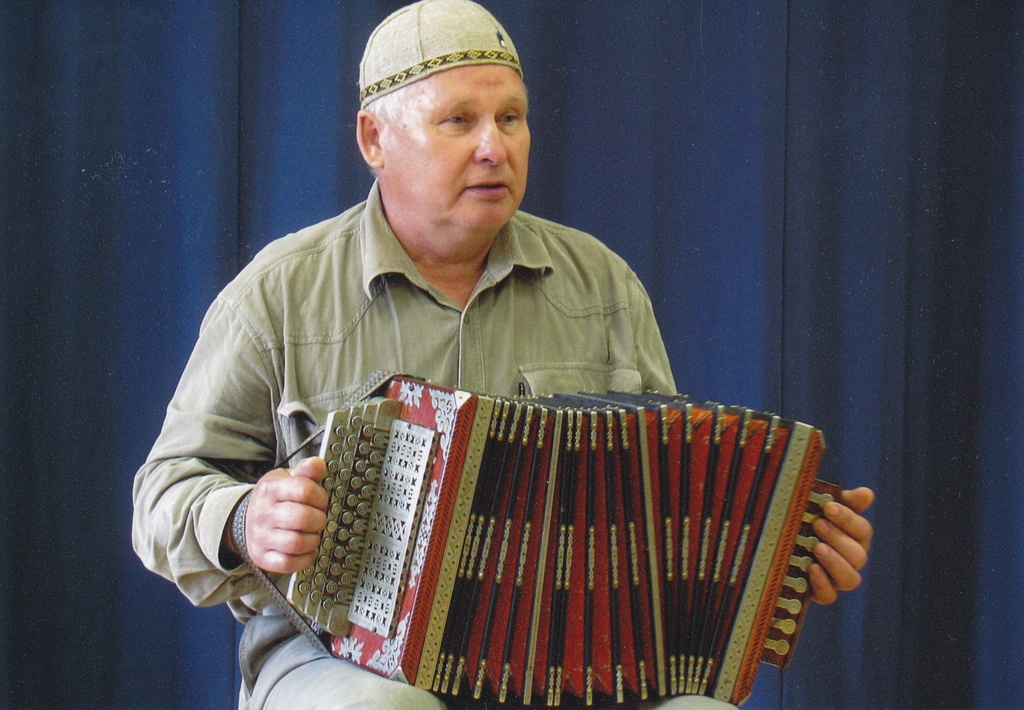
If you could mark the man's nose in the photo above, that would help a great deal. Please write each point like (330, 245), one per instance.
(491, 144)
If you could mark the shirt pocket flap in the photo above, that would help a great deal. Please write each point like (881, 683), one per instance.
(547, 378)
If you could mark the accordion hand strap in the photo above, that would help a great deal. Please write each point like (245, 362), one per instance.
(315, 635)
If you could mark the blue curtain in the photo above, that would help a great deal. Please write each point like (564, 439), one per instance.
(825, 200)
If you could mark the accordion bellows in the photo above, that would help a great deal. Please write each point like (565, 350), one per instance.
(568, 550)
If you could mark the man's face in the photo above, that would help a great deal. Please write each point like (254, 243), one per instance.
(454, 162)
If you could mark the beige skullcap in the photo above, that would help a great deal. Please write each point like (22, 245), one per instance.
(428, 37)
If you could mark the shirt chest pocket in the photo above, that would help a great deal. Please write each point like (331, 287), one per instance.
(569, 378)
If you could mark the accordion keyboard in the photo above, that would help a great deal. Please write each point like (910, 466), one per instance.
(357, 439)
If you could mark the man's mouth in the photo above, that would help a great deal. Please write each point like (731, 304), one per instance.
(489, 188)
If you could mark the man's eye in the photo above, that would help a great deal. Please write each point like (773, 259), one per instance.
(457, 119)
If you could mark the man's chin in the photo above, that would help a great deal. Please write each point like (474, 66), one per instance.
(491, 217)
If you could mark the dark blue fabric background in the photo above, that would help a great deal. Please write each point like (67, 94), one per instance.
(825, 200)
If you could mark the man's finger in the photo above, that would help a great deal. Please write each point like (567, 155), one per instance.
(824, 590)
(313, 468)
(840, 569)
(842, 522)
(292, 543)
(858, 500)
(274, 561)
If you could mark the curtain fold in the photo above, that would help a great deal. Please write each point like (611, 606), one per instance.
(825, 201)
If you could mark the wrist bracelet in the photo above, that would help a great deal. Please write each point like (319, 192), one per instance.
(238, 527)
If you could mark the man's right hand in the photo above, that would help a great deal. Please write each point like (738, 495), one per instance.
(286, 516)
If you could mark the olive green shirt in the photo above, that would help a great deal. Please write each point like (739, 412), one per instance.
(316, 312)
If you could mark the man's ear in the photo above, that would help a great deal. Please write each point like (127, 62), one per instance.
(368, 132)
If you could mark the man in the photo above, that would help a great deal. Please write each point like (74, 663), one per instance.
(436, 274)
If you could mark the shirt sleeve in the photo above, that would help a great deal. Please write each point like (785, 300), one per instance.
(651, 357)
(217, 439)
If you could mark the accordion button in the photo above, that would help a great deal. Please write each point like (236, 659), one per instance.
(786, 626)
(797, 584)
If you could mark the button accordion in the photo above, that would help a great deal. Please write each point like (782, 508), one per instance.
(566, 550)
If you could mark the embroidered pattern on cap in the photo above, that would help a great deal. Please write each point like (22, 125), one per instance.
(469, 55)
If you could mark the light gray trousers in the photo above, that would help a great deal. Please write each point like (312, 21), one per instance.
(282, 670)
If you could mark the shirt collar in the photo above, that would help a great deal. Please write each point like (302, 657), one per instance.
(382, 253)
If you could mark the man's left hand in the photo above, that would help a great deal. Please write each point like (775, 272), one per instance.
(843, 551)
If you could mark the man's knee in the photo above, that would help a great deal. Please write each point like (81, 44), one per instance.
(332, 683)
